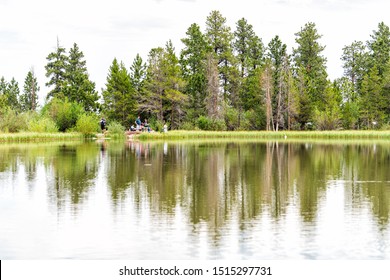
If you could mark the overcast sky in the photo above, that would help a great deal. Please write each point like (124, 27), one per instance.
(122, 28)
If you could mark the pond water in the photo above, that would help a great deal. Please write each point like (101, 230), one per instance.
(195, 200)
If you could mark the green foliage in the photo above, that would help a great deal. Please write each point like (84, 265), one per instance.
(87, 124)
(164, 97)
(187, 126)
(64, 113)
(29, 98)
(115, 129)
(42, 124)
(119, 99)
(254, 119)
(310, 69)
(205, 123)
(372, 102)
(232, 118)
(11, 121)
(379, 48)
(56, 71)
(192, 61)
(78, 86)
(219, 38)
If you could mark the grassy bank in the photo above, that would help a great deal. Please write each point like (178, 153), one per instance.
(38, 137)
(342, 135)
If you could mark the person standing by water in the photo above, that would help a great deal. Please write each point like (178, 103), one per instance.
(103, 124)
(138, 123)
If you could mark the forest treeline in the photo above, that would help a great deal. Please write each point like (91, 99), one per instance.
(222, 79)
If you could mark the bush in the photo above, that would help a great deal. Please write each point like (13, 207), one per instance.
(42, 124)
(115, 129)
(205, 123)
(232, 118)
(188, 126)
(253, 120)
(12, 122)
(64, 113)
(87, 124)
(157, 125)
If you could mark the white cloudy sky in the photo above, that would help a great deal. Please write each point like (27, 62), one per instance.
(122, 28)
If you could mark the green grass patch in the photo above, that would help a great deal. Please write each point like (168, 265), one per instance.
(38, 137)
(271, 135)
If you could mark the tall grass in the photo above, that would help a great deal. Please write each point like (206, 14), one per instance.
(178, 134)
(38, 137)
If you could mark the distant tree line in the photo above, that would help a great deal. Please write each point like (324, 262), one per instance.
(222, 80)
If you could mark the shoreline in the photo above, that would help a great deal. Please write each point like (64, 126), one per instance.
(180, 135)
(268, 135)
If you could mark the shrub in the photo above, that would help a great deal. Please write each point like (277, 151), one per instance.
(188, 126)
(12, 122)
(115, 129)
(205, 123)
(42, 124)
(232, 118)
(64, 113)
(87, 124)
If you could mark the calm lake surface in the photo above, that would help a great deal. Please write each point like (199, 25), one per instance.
(199, 200)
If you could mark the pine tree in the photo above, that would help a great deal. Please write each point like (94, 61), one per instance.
(310, 70)
(379, 47)
(213, 98)
(248, 47)
(12, 94)
(373, 103)
(249, 55)
(138, 75)
(174, 85)
(79, 88)
(29, 98)
(193, 61)
(56, 72)
(118, 96)
(220, 40)
(277, 53)
(151, 102)
(355, 63)
(3, 96)
(164, 98)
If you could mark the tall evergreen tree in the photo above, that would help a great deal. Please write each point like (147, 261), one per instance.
(310, 70)
(164, 86)
(355, 63)
(29, 98)
(277, 53)
(118, 96)
(3, 92)
(138, 74)
(248, 47)
(13, 93)
(379, 47)
(373, 103)
(56, 71)
(193, 64)
(213, 97)
(152, 101)
(174, 86)
(220, 40)
(79, 88)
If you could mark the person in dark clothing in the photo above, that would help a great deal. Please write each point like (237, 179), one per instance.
(103, 124)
